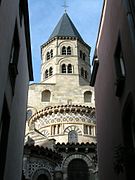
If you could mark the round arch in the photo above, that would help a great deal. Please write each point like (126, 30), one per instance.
(40, 174)
(72, 128)
(68, 159)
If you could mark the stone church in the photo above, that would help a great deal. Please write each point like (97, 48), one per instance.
(60, 138)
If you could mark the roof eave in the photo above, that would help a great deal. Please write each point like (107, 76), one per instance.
(64, 37)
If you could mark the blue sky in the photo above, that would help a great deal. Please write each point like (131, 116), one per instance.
(45, 14)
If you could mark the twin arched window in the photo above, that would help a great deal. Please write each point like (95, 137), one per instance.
(84, 73)
(66, 68)
(48, 72)
(49, 54)
(82, 55)
(66, 50)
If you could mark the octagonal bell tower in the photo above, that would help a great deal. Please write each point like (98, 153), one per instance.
(65, 56)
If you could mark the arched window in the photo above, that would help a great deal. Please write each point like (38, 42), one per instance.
(63, 68)
(86, 74)
(50, 71)
(87, 96)
(72, 137)
(69, 68)
(63, 50)
(48, 56)
(46, 73)
(46, 95)
(51, 53)
(82, 72)
(68, 50)
(84, 56)
(80, 54)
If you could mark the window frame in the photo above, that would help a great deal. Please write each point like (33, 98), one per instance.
(63, 50)
(47, 55)
(82, 72)
(81, 54)
(86, 74)
(84, 56)
(14, 58)
(63, 69)
(68, 50)
(46, 74)
(120, 68)
(50, 71)
(69, 69)
(51, 53)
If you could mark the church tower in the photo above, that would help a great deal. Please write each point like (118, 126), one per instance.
(61, 110)
(65, 55)
(63, 96)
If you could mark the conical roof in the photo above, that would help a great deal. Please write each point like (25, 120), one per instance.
(65, 28)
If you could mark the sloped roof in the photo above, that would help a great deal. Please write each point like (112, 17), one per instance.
(65, 28)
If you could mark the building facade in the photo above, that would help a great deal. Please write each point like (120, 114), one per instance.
(61, 109)
(113, 76)
(15, 73)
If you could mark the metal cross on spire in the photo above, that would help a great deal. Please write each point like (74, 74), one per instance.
(65, 6)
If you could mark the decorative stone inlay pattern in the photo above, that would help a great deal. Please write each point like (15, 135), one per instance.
(30, 167)
(66, 114)
(67, 110)
(41, 122)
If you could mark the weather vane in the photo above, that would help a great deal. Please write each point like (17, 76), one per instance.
(65, 6)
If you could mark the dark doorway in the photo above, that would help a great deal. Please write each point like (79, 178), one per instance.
(78, 170)
(42, 177)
